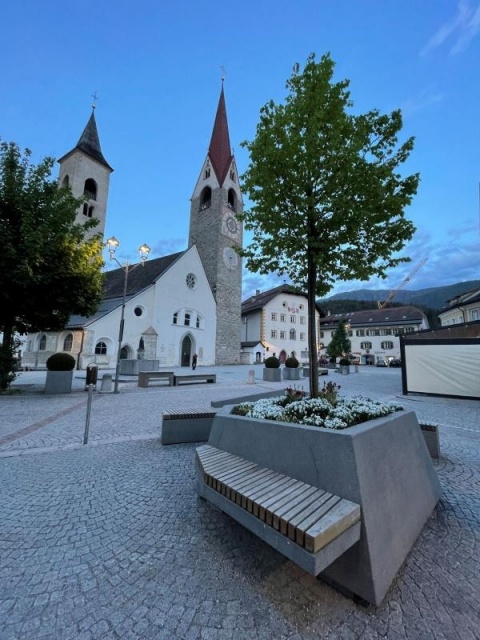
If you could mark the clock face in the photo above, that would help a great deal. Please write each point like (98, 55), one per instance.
(230, 226)
(230, 258)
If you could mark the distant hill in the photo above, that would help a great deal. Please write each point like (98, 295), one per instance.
(432, 297)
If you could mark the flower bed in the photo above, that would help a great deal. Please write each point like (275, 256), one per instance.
(328, 410)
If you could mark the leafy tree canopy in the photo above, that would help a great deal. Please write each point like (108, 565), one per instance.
(49, 272)
(327, 197)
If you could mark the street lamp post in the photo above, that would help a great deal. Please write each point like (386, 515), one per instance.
(112, 244)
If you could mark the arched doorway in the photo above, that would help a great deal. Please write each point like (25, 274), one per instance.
(186, 351)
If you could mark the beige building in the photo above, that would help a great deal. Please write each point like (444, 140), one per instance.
(463, 308)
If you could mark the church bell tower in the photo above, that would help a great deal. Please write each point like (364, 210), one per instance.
(216, 231)
(86, 171)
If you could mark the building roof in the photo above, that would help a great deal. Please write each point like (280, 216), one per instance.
(260, 299)
(220, 151)
(139, 278)
(469, 297)
(388, 316)
(89, 143)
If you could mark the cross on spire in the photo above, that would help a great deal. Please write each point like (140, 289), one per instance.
(95, 98)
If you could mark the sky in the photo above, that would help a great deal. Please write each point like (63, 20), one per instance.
(156, 68)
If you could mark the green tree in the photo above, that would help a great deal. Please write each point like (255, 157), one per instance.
(49, 271)
(327, 197)
(340, 343)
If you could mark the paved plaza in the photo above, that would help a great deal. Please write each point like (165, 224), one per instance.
(109, 541)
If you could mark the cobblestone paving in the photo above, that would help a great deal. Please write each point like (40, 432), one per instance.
(110, 541)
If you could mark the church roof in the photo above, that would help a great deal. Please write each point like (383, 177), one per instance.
(220, 151)
(89, 143)
(138, 279)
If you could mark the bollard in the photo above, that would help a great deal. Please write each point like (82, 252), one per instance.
(251, 377)
(106, 384)
(356, 368)
(89, 409)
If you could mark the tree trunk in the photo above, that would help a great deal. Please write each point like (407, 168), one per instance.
(312, 325)
(6, 357)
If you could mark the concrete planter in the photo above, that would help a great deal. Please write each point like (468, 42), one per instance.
(272, 375)
(290, 373)
(383, 465)
(432, 439)
(344, 369)
(58, 381)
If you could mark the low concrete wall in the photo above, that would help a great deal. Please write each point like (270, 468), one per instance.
(132, 367)
(383, 465)
(187, 428)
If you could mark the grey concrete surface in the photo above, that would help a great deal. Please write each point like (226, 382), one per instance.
(109, 540)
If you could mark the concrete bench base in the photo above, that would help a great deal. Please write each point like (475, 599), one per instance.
(191, 426)
(145, 377)
(195, 377)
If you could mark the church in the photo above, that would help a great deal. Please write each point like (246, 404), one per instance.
(163, 310)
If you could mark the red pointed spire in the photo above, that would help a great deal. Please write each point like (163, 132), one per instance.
(220, 151)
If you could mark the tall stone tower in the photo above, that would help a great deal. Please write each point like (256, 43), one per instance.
(88, 173)
(215, 230)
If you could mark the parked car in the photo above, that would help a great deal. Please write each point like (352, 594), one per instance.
(395, 363)
(380, 363)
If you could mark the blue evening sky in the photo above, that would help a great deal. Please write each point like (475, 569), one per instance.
(155, 66)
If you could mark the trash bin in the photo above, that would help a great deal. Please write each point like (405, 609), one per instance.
(92, 375)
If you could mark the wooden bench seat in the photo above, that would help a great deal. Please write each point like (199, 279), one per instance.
(195, 377)
(145, 377)
(310, 526)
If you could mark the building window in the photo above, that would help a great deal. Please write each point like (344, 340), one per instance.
(293, 335)
(191, 280)
(292, 319)
(273, 333)
(138, 311)
(388, 344)
(186, 319)
(274, 315)
(68, 342)
(282, 335)
(283, 317)
(43, 343)
(360, 333)
(207, 173)
(232, 175)
(90, 189)
(66, 181)
(85, 209)
(197, 322)
(302, 336)
(175, 318)
(206, 199)
(231, 199)
(365, 345)
(101, 349)
(350, 333)
(474, 314)
(302, 318)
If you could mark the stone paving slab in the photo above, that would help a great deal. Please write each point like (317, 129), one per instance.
(110, 541)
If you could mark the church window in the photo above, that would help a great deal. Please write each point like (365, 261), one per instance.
(85, 209)
(90, 189)
(138, 311)
(141, 345)
(186, 319)
(293, 335)
(90, 212)
(191, 280)
(207, 173)
(231, 199)
(101, 349)
(175, 318)
(68, 342)
(66, 181)
(198, 322)
(206, 199)
(232, 175)
(42, 345)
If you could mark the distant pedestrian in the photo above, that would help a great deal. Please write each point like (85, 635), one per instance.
(194, 361)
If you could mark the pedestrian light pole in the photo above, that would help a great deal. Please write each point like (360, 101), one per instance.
(112, 244)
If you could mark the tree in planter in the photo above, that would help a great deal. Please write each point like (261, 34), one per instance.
(340, 343)
(50, 271)
(327, 197)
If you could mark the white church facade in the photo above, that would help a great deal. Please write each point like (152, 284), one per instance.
(177, 305)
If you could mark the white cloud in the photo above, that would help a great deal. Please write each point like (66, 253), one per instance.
(430, 95)
(462, 28)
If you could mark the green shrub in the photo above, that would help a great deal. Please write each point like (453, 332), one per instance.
(272, 362)
(61, 362)
(291, 362)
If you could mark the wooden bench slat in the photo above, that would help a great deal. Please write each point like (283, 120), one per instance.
(276, 501)
(318, 505)
(264, 491)
(257, 475)
(289, 505)
(299, 508)
(342, 516)
(240, 472)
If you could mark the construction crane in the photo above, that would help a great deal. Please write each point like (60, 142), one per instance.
(393, 292)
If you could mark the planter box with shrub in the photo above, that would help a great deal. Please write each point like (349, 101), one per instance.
(60, 368)
(271, 371)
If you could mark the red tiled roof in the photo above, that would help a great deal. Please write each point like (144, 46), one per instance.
(220, 151)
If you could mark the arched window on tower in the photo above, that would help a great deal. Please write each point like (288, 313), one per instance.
(207, 173)
(90, 212)
(85, 209)
(90, 189)
(68, 342)
(206, 199)
(42, 345)
(66, 181)
(231, 199)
